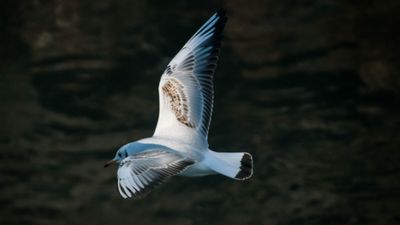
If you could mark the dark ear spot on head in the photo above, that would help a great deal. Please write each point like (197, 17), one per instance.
(126, 154)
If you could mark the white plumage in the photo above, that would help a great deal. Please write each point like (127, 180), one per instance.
(179, 145)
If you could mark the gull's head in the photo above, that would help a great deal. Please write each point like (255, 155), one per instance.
(121, 154)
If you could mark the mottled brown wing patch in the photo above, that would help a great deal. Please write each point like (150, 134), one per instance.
(173, 91)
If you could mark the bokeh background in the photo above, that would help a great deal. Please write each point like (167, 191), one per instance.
(310, 88)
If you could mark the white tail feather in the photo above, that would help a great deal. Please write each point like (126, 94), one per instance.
(236, 165)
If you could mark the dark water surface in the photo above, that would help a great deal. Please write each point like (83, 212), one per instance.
(311, 89)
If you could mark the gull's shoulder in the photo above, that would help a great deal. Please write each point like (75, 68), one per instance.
(173, 144)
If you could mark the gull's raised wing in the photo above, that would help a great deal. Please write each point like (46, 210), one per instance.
(186, 87)
(140, 173)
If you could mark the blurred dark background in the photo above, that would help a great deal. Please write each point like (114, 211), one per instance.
(310, 88)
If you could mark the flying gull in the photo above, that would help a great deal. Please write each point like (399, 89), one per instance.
(179, 144)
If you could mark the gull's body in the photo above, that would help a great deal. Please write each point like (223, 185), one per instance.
(179, 145)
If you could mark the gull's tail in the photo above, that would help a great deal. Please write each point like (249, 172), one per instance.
(236, 165)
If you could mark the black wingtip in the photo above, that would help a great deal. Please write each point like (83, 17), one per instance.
(246, 167)
(222, 14)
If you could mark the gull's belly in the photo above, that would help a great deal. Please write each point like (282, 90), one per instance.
(197, 169)
(184, 148)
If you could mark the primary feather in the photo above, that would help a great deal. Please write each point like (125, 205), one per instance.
(140, 173)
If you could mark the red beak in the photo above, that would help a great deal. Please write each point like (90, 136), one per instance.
(109, 163)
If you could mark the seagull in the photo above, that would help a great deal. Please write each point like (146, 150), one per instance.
(179, 144)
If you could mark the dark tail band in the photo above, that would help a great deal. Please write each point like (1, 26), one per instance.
(246, 167)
